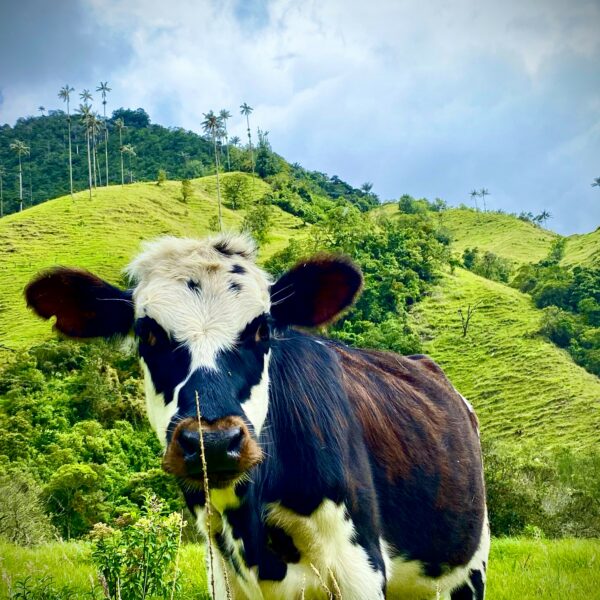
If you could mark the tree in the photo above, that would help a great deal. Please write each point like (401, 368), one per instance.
(224, 115)
(2, 175)
(186, 190)
(85, 111)
(95, 128)
(104, 89)
(466, 319)
(246, 111)
(42, 110)
(235, 141)
(544, 216)
(236, 190)
(257, 222)
(64, 95)
(483, 192)
(474, 194)
(366, 187)
(130, 151)
(212, 126)
(161, 177)
(596, 182)
(120, 125)
(21, 149)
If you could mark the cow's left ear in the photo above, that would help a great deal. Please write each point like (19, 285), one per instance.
(315, 291)
(84, 305)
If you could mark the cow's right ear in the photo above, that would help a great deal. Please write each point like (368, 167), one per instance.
(84, 305)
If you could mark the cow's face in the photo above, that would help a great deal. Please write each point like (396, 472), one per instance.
(204, 316)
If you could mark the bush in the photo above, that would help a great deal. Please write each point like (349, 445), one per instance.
(558, 326)
(490, 265)
(187, 192)
(236, 190)
(139, 559)
(257, 222)
(161, 177)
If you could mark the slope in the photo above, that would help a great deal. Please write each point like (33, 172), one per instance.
(526, 390)
(583, 249)
(102, 235)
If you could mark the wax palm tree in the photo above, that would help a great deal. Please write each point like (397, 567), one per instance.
(544, 216)
(104, 89)
(2, 175)
(483, 193)
(235, 140)
(474, 194)
(21, 149)
(85, 111)
(212, 126)
(95, 129)
(596, 182)
(366, 187)
(64, 95)
(42, 109)
(85, 96)
(224, 115)
(130, 151)
(120, 125)
(246, 111)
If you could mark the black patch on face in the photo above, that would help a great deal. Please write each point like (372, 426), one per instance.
(235, 287)
(238, 270)
(167, 360)
(194, 286)
(238, 370)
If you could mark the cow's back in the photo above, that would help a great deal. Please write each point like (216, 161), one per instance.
(423, 440)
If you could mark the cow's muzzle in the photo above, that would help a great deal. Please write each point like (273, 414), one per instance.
(229, 452)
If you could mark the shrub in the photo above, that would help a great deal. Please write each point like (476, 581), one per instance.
(558, 326)
(236, 190)
(257, 222)
(161, 177)
(187, 192)
(139, 559)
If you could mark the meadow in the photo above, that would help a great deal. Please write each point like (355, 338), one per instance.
(519, 569)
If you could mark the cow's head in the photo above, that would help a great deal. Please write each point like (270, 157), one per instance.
(203, 315)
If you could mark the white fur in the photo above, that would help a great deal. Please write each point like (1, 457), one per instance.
(159, 413)
(257, 406)
(209, 320)
(406, 579)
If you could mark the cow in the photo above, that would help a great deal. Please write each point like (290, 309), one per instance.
(326, 470)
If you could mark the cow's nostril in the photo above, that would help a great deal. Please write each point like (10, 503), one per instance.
(189, 441)
(235, 442)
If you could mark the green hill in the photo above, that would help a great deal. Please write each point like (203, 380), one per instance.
(102, 235)
(583, 249)
(525, 389)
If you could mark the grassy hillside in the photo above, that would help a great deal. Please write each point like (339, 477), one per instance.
(102, 235)
(519, 569)
(526, 390)
(583, 249)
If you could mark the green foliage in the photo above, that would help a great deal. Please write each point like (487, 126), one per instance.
(257, 222)
(161, 177)
(236, 190)
(488, 265)
(72, 424)
(138, 560)
(399, 259)
(187, 192)
(23, 519)
(546, 495)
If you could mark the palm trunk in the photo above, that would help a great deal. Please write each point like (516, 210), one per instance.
(20, 185)
(250, 143)
(228, 160)
(70, 155)
(87, 136)
(121, 146)
(218, 183)
(105, 143)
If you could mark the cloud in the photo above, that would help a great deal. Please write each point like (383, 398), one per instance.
(426, 98)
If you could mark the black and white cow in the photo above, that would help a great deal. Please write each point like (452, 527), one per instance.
(328, 466)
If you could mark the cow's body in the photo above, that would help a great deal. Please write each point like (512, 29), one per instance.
(331, 470)
(373, 477)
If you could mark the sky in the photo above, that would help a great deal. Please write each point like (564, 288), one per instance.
(431, 98)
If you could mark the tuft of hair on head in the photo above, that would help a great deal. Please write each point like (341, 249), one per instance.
(168, 254)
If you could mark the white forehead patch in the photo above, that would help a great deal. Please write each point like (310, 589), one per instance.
(257, 406)
(202, 292)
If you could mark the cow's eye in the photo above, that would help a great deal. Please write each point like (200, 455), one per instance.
(262, 333)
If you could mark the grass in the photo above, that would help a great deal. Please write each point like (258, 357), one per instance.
(583, 249)
(518, 568)
(102, 235)
(525, 390)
